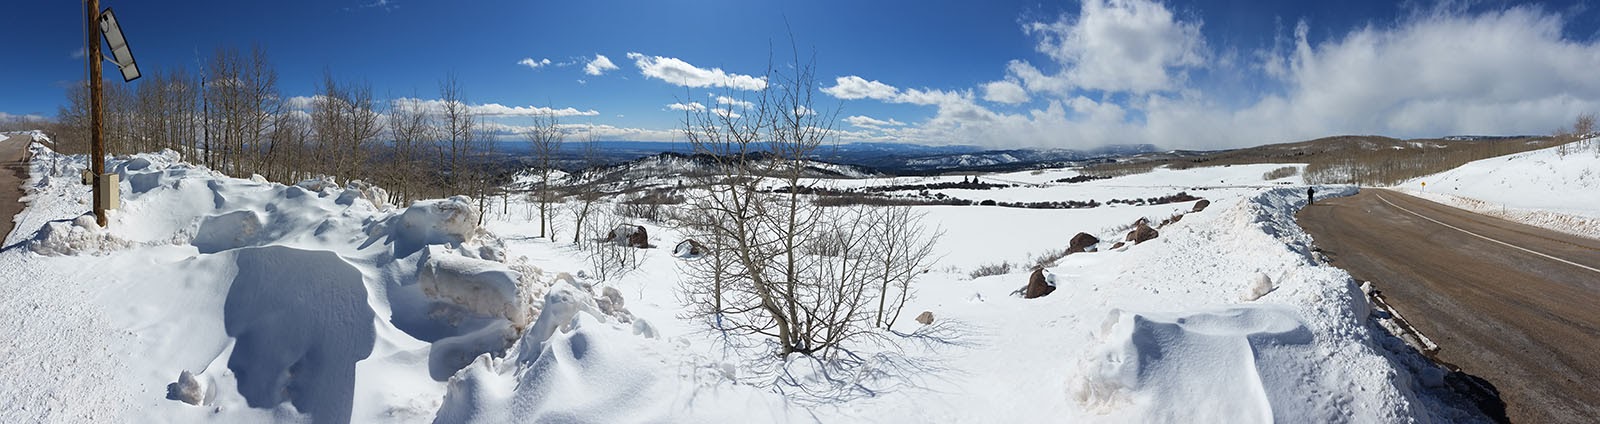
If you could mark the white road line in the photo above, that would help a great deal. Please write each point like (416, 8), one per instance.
(1380, 197)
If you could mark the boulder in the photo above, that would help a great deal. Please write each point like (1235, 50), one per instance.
(1201, 205)
(1040, 284)
(187, 389)
(639, 239)
(1083, 242)
(689, 248)
(925, 318)
(629, 235)
(1118, 245)
(1142, 232)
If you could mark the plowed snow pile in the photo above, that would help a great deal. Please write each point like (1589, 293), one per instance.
(215, 299)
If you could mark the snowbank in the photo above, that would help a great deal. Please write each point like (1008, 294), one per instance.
(577, 364)
(271, 302)
(1543, 187)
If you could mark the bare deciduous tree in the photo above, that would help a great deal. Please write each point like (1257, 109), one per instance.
(412, 128)
(778, 264)
(457, 130)
(585, 193)
(545, 138)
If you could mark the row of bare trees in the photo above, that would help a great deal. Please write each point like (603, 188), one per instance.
(232, 117)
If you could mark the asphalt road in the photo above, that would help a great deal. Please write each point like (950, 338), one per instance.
(13, 172)
(1521, 310)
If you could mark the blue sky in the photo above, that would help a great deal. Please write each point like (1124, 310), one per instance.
(1204, 74)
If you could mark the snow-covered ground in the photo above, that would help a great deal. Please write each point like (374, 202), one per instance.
(1543, 187)
(313, 302)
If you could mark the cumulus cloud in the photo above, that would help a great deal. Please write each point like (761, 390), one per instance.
(691, 106)
(301, 102)
(28, 117)
(486, 109)
(599, 65)
(1119, 45)
(726, 113)
(580, 131)
(861, 121)
(1506, 71)
(677, 72)
(853, 87)
(1005, 91)
(725, 100)
(533, 64)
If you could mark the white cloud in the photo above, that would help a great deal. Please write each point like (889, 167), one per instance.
(486, 109)
(599, 65)
(726, 113)
(691, 106)
(580, 131)
(725, 100)
(1005, 91)
(22, 118)
(677, 72)
(1121, 45)
(533, 64)
(301, 102)
(1509, 71)
(853, 87)
(861, 121)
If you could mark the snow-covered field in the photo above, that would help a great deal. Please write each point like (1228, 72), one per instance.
(311, 301)
(1542, 188)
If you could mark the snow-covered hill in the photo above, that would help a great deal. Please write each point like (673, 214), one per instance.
(1546, 187)
(317, 301)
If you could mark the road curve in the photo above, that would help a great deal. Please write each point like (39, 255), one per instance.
(1514, 304)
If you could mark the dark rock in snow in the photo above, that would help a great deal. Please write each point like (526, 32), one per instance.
(1082, 242)
(1142, 233)
(630, 235)
(1201, 205)
(1038, 285)
(689, 248)
(925, 318)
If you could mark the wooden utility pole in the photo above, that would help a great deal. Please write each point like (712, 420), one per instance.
(97, 154)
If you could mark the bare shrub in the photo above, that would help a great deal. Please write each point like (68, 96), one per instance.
(986, 270)
(1048, 258)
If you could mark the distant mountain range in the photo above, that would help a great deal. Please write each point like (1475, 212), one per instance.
(866, 158)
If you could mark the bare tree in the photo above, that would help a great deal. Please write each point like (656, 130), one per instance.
(585, 193)
(457, 130)
(412, 128)
(779, 265)
(545, 138)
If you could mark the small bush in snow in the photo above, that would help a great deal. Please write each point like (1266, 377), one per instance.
(1001, 268)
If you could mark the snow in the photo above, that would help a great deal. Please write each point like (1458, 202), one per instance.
(313, 302)
(1543, 187)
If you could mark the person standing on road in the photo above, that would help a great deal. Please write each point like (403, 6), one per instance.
(1311, 195)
